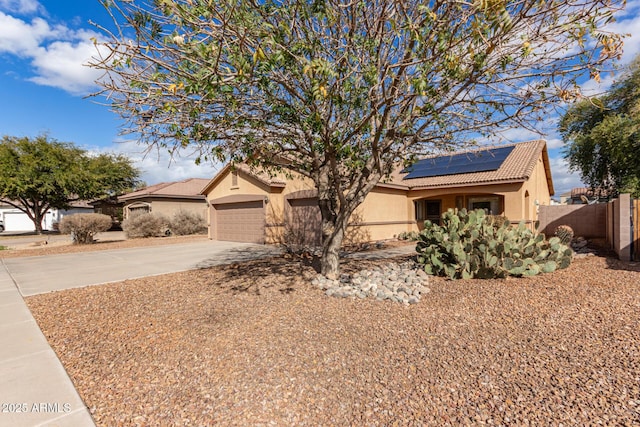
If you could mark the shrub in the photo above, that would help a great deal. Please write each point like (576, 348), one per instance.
(83, 227)
(144, 225)
(468, 246)
(565, 234)
(184, 223)
(408, 235)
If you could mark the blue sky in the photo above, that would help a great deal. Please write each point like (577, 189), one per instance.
(43, 45)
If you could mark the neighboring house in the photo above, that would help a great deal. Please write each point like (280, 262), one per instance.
(509, 180)
(582, 195)
(16, 220)
(167, 198)
(565, 198)
(112, 207)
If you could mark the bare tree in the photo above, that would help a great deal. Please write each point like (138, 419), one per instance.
(341, 91)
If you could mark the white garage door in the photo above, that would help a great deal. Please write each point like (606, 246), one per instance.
(14, 221)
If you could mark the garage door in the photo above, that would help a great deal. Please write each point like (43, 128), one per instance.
(14, 221)
(303, 226)
(240, 222)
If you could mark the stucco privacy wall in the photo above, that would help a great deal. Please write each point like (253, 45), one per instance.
(589, 221)
(611, 221)
(621, 239)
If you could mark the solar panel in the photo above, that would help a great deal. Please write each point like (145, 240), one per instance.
(478, 161)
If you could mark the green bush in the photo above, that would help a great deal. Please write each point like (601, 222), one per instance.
(145, 225)
(408, 235)
(83, 227)
(467, 245)
(185, 223)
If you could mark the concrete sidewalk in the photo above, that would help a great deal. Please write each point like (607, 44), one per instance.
(35, 390)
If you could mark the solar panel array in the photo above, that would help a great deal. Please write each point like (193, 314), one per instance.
(478, 161)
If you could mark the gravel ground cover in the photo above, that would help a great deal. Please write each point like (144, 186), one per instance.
(256, 344)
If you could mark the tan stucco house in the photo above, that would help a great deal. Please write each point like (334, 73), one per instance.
(167, 198)
(510, 180)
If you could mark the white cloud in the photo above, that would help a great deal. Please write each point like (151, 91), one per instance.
(19, 37)
(628, 22)
(57, 53)
(157, 166)
(563, 179)
(553, 143)
(518, 135)
(21, 6)
(61, 65)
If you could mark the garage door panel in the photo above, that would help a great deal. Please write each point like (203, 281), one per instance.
(14, 221)
(304, 222)
(240, 222)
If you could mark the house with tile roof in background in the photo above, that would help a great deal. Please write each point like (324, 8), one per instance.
(508, 180)
(167, 198)
(15, 220)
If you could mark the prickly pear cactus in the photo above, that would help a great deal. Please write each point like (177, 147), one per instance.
(469, 245)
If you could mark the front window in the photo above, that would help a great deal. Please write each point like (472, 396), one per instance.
(490, 204)
(138, 208)
(428, 210)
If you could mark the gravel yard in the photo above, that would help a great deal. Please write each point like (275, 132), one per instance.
(256, 344)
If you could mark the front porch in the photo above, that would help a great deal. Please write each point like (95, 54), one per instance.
(431, 208)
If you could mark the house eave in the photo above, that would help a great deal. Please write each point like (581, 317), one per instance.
(162, 196)
(468, 184)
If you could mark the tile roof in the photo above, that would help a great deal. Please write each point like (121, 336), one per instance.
(81, 204)
(518, 166)
(189, 188)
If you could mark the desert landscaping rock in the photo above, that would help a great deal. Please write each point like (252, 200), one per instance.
(581, 249)
(255, 344)
(403, 283)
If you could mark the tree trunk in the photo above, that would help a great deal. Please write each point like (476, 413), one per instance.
(37, 221)
(330, 261)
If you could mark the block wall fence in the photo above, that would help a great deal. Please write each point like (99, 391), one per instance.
(612, 221)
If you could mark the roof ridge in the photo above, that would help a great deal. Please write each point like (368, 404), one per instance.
(534, 158)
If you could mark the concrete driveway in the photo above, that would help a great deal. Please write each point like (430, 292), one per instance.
(36, 275)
